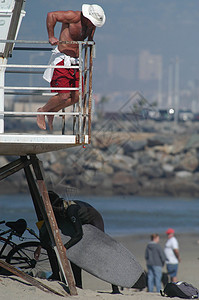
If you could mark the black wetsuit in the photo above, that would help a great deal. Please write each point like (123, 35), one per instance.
(77, 213)
(80, 213)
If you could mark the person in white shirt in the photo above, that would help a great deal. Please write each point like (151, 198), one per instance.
(172, 254)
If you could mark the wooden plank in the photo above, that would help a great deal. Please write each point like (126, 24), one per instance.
(28, 278)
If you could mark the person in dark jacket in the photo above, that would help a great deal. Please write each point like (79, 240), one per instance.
(155, 259)
(75, 213)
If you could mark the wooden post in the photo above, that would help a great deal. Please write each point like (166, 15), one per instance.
(90, 93)
(85, 88)
(53, 228)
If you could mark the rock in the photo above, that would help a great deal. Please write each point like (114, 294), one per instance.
(188, 163)
(57, 168)
(132, 146)
(193, 142)
(125, 184)
(195, 177)
(92, 165)
(153, 187)
(159, 140)
(107, 169)
(123, 162)
(119, 162)
(168, 149)
(183, 174)
(150, 170)
(52, 178)
(122, 178)
(129, 189)
(168, 167)
(179, 145)
(145, 158)
(106, 184)
(114, 149)
(182, 187)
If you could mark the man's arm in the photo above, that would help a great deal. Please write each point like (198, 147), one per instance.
(146, 254)
(72, 214)
(162, 255)
(177, 254)
(91, 35)
(66, 17)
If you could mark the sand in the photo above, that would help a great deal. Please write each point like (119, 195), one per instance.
(14, 288)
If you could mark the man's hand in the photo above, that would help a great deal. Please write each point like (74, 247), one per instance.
(53, 41)
(37, 253)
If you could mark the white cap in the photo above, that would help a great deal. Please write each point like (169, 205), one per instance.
(94, 13)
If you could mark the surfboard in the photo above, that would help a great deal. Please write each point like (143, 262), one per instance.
(102, 256)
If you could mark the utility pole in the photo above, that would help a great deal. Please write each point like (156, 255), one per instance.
(176, 103)
(159, 84)
(170, 86)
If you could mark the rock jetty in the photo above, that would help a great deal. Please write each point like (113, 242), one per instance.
(125, 158)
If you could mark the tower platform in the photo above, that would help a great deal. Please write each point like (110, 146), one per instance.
(26, 144)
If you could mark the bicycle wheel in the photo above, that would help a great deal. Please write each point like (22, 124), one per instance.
(22, 257)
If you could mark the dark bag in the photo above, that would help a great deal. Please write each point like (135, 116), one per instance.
(180, 289)
(165, 279)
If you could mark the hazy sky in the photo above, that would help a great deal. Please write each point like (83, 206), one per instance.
(165, 27)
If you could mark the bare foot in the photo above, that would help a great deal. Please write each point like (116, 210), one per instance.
(41, 120)
(50, 121)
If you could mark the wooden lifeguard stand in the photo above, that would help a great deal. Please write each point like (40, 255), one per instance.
(28, 145)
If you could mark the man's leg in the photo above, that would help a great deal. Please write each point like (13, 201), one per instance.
(54, 104)
(115, 289)
(158, 276)
(172, 272)
(150, 279)
(54, 263)
(51, 106)
(77, 272)
(174, 279)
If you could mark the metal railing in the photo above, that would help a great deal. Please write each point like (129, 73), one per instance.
(81, 113)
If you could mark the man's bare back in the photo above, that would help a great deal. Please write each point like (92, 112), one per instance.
(75, 27)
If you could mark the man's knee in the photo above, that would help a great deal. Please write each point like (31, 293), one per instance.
(64, 96)
(75, 96)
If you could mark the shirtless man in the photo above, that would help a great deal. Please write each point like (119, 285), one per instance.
(76, 26)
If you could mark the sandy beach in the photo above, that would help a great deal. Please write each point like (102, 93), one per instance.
(14, 288)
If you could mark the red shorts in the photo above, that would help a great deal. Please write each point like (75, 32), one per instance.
(64, 78)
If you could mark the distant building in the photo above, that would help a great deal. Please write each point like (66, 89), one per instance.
(149, 66)
(123, 66)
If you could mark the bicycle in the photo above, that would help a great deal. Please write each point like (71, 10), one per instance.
(22, 255)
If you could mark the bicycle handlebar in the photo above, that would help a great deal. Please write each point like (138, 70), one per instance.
(31, 231)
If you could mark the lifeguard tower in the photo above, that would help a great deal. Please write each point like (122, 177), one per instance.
(28, 145)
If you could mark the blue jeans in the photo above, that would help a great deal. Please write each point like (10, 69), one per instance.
(154, 278)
